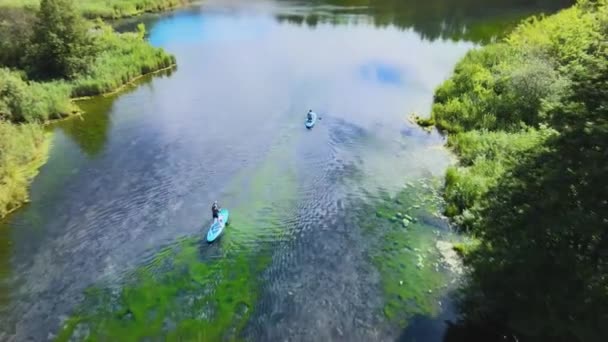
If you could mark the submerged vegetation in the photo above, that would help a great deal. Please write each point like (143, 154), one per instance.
(191, 292)
(409, 252)
(178, 296)
(528, 117)
(65, 57)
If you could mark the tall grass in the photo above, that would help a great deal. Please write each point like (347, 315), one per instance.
(22, 150)
(26, 101)
(125, 8)
(123, 57)
(118, 58)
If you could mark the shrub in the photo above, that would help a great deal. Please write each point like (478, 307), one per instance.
(60, 45)
(23, 101)
(124, 57)
(22, 149)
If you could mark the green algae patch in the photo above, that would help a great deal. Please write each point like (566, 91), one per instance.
(411, 276)
(466, 247)
(408, 228)
(192, 291)
(177, 297)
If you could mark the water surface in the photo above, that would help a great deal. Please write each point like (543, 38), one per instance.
(128, 186)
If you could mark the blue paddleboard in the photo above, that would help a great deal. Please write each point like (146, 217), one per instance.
(217, 227)
(310, 123)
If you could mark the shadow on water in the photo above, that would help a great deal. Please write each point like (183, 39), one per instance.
(461, 20)
(5, 265)
(470, 20)
(90, 130)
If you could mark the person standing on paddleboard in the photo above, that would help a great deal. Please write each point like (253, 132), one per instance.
(215, 210)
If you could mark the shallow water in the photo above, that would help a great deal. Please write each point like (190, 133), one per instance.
(124, 201)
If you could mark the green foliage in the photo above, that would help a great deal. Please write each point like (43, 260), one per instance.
(113, 9)
(107, 9)
(536, 198)
(123, 57)
(60, 45)
(15, 31)
(485, 159)
(424, 122)
(545, 231)
(22, 150)
(93, 58)
(23, 101)
(498, 88)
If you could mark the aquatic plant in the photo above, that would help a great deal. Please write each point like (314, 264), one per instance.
(408, 228)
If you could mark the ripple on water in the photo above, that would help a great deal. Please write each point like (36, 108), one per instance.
(319, 284)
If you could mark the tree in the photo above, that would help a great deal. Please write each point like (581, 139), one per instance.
(60, 45)
(540, 272)
(15, 32)
(542, 269)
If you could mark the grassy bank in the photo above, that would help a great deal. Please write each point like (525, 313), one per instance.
(48, 57)
(23, 149)
(122, 58)
(528, 118)
(106, 9)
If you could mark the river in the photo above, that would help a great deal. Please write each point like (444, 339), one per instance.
(111, 246)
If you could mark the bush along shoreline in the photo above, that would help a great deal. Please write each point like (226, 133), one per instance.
(105, 9)
(65, 58)
(528, 118)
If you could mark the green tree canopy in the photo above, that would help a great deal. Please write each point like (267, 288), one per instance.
(541, 270)
(60, 46)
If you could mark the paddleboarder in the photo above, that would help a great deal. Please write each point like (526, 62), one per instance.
(215, 210)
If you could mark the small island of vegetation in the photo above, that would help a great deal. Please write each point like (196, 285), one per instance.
(528, 118)
(49, 56)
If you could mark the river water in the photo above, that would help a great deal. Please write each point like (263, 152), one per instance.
(111, 245)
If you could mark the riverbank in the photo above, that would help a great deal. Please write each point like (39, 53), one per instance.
(23, 150)
(119, 59)
(112, 9)
(526, 116)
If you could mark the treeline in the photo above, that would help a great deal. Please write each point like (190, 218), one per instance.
(106, 9)
(47, 58)
(479, 21)
(529, 119)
